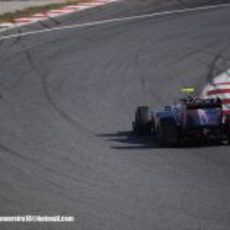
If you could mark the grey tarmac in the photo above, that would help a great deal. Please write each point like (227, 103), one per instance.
(66, 107)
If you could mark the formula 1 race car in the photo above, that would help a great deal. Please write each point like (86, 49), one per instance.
(190, 118)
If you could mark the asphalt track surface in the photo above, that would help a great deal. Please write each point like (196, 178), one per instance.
(67, 102)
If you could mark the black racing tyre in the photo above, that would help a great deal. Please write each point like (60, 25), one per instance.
(167, 133)
(227, 128)
(143, 123)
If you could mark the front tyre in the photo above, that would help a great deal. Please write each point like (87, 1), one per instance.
(227, 128)
(143, 122)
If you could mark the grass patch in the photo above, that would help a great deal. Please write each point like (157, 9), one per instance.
(10, 17)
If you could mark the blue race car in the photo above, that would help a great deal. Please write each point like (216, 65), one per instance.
(190, 118)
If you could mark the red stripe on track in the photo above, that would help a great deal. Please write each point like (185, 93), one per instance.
(55, 12)
(227, 112)
(226, 101)
(217, 91)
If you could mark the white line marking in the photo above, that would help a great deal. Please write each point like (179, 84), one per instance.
(114, 20)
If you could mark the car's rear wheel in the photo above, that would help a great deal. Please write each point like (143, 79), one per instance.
(227, 128)
(167, 133)
(143, 122)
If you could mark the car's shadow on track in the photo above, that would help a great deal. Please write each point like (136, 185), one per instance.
(128, 140)
(125, 140)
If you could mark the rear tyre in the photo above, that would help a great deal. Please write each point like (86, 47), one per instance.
(167, 133)
(143, 123)
(227, 128)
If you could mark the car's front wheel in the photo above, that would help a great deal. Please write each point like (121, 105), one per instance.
(143, 121)
(227, 128)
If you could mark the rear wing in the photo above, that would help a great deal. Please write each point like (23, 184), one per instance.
(204, 103)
